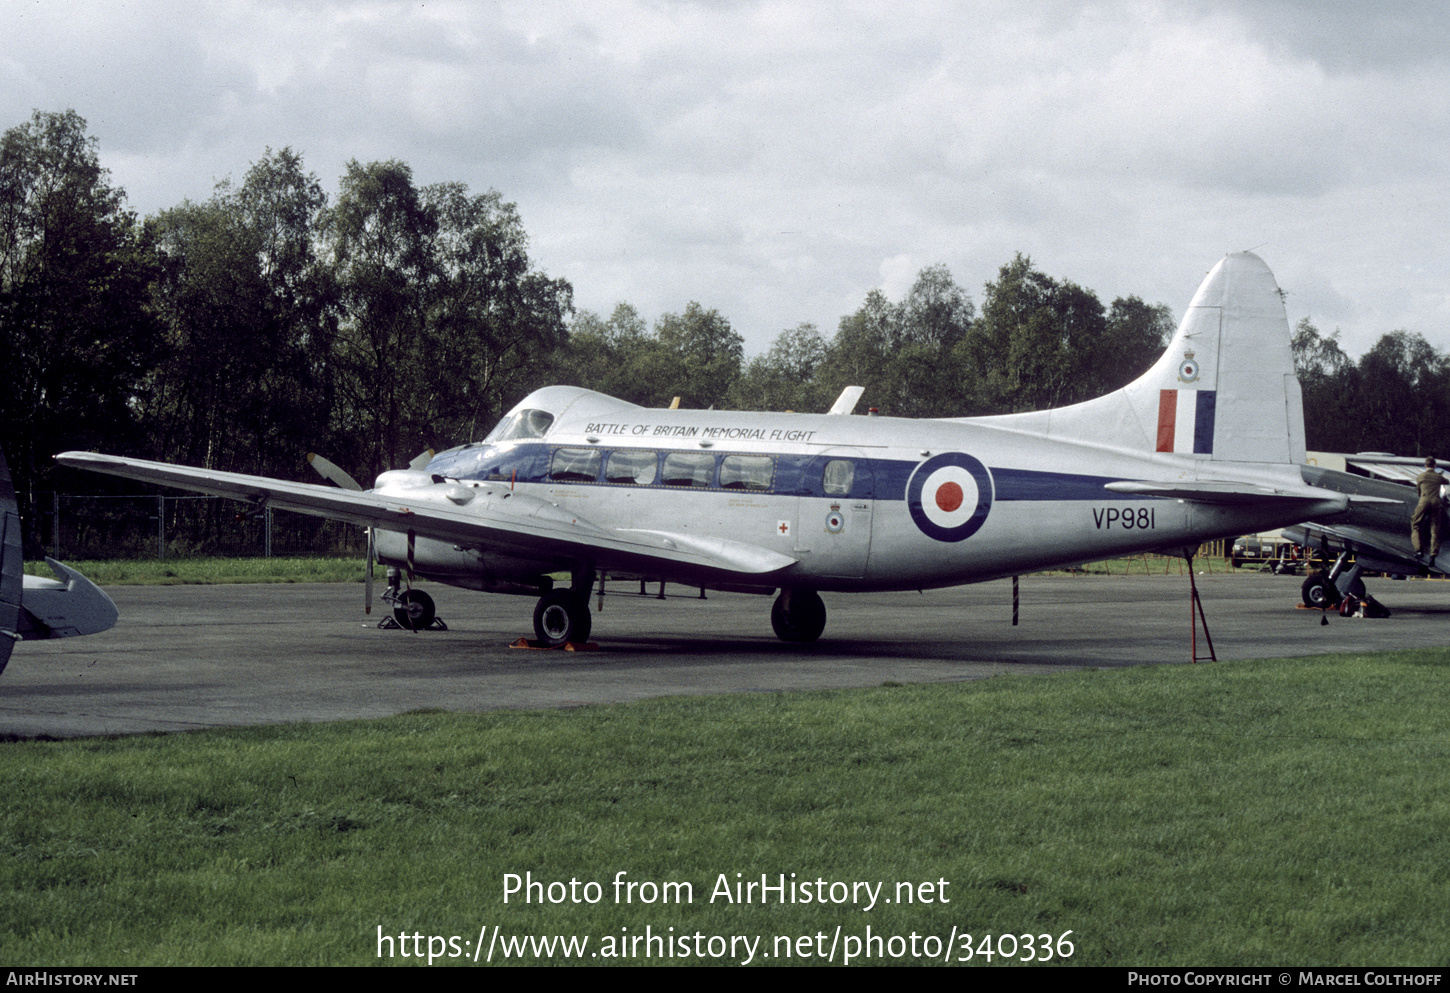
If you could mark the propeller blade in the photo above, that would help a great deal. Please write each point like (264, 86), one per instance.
(329, 470)
(421, 460)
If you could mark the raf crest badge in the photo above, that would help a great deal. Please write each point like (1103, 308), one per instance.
(1188, 371)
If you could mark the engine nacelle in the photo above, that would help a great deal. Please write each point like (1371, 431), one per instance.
(469, 568)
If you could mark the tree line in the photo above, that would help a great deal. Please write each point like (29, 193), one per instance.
(270, 320)
(1395, 398)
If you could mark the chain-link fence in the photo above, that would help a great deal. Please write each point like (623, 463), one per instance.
(127, 527)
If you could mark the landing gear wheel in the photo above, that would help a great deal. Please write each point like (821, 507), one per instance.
(415, 610)
(1320, 593)
(561, 616)
(798, 616)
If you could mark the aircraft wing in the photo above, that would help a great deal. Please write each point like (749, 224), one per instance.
(486, 515)
(1372, 547)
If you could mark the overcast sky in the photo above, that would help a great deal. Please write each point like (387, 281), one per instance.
(777, 161)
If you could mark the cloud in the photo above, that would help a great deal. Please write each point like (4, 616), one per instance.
(778, 160)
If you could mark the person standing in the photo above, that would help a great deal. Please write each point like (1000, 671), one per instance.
(1427, 511)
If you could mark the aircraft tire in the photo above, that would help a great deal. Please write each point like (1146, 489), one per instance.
(1318, 592)
(415, 610)
(562, 616)
(798, 616)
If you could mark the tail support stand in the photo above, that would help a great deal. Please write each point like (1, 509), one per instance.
(1195, 617)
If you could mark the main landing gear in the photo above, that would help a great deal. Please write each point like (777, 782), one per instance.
(562, 616)
(798, 616)
(1323, 590)
(1342, 588)
(1319, 592)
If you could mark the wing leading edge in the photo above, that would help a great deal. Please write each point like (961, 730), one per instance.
(473, 515)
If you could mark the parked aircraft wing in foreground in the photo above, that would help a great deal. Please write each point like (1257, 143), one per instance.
(1206, 444)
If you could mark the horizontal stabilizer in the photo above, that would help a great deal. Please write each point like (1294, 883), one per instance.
(64, 608)
(1358, 500)
(1233, 492)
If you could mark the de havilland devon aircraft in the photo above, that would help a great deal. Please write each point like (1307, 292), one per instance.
(33, 608)
(1206, 444)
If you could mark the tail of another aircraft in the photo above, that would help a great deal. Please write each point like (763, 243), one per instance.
(12, 569)
(1224, 391)
(32, 608)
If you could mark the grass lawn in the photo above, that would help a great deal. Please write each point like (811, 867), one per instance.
(1267, 812)
(177, 571)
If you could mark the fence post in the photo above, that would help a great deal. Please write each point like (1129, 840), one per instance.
(160, 526)
(267, 527)
(55, 523)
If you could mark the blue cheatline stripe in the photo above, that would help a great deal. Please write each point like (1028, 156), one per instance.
(796, 475)
(1203, 422)
(1032, 484)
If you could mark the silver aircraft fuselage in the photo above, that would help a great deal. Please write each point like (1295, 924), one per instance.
(858, 503)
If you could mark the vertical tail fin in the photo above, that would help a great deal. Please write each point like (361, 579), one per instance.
(1224, 391)
(1231, 365)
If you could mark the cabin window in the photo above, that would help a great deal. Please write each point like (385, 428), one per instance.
(637, 468)
(521, 424)
(837, 477)
(746, 472)
(688, 469)
(575, 464)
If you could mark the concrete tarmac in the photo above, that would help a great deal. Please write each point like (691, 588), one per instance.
(186, 657)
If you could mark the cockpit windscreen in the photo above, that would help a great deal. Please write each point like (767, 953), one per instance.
(527, 423)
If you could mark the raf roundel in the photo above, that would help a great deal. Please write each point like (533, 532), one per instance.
(949, 496)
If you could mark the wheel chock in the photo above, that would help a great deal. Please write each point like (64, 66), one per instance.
(389, 624)
(568, 646)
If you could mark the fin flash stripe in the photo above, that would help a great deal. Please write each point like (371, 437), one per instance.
(1185, 421)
